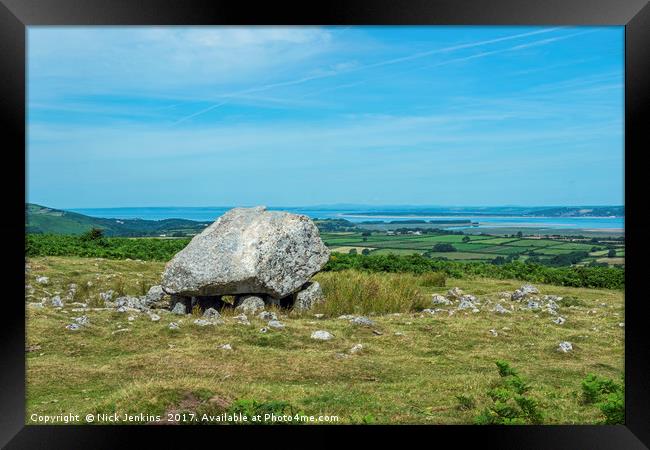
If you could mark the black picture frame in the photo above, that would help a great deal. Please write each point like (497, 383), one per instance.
(16, 15)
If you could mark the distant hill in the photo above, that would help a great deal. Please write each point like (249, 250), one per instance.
(41, 219)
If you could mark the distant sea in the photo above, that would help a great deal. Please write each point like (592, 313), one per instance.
(486, 217)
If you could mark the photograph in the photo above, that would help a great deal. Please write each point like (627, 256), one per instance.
(325, 225)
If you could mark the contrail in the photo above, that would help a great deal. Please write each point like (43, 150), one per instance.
(368, 66)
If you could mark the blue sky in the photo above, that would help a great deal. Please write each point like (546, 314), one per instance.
(295, 116)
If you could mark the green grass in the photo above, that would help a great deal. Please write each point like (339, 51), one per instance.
(415, 377)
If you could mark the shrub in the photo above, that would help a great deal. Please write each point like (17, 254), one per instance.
(607, 395)
(509, 404)
(592, 277)
(465, 403)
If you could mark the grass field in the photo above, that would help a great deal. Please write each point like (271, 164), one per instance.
(478, 248)
(411, 370)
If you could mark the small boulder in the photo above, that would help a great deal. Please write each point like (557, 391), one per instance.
(524, 291)
(56, 302)
(202, 322)
(276, 324)
(154, 317)
(322, 335)
(267, 315)
(454, 293)
(173, 326)
(501, 310)
(560, 320)
(72, 326)
(225, 347)
(565, 347)
(83, 320)
(362, 321)
(211, 313)
(249, 304)
(532, 304)
(438, 299)
(356, 348)
(42, 280)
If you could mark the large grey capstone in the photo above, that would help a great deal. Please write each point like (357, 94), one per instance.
(248, 251)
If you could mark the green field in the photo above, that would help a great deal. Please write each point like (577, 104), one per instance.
(479, 247)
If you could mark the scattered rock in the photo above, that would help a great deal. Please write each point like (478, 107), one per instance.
(356, 348)
(532, 304)
(465, 304)
(248, 250)
(346, 317)
(42, 280)
(173, 326)
(276, 324)
(322, 335)
(83, 320)
(154, 317)
(56, 302)
(524, 291)
(494, 333)
(35, 305)
(263, 330)
(377, 332)
(73, 326)
(559, 320)
(202, 322)
(501, 310)
(362, 321)
(131, 318)
(267, 315)
(454, 293)
(438, 299)
(106, 296)
(565, 347)
(225, 347)
(429, 311)
(621, 324)
(399, 333)
(122, 309)
(319, 316)
(309, 296)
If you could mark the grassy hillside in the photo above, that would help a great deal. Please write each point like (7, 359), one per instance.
(413, 367)
(40, 219)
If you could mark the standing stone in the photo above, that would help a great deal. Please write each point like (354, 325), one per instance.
(179, 308)
(248, 250)
(154, 295)
(308, 296)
